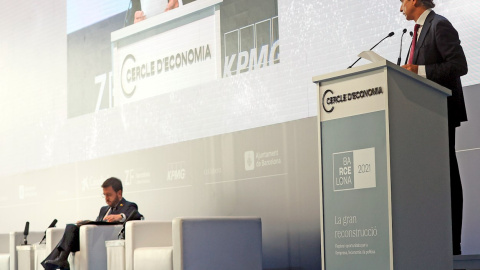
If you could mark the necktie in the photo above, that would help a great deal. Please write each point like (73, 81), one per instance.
(414, 42)
(108, 212)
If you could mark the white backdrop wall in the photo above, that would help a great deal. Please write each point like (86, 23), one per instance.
(316, 37)
(38, 138)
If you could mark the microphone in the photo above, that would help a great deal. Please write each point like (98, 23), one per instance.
(401, 41)
(408, 54)
(389, 35)
(25, 233)
(121, 234)
(54, 222)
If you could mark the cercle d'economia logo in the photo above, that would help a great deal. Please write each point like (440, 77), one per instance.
(329, 99)
(141, 69)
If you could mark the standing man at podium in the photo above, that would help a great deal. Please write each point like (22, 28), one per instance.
(437, 55)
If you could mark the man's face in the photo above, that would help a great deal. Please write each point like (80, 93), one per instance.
(111, 197)
(407, 8)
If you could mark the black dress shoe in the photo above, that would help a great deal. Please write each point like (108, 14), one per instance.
(48, 267)
(57, 263)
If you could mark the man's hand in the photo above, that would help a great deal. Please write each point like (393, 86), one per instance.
(412, 68)
(171, 5)
(112, 218)
(139, 16)
(82, 222)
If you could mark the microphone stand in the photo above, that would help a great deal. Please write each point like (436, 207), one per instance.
(389, 35)
(401, 42)
(121, 234)
(52, 225)
(25, 233)
(408, 54)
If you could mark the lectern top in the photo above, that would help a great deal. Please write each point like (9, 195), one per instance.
(385, 64)
(163, 18)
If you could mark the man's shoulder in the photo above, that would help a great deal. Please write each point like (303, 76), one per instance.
(439, 23)
(437, 18)
(127, 203)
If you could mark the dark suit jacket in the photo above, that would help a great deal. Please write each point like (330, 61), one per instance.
(439, 49)
(123, 206)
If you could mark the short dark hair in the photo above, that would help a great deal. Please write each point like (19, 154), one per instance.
(113, 182)
(427, 3)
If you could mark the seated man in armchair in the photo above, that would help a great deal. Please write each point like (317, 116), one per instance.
(117, 210)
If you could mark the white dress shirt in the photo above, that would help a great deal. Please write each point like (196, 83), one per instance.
(421, 21)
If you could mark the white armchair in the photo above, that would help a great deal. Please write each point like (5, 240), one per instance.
(4, 252)
(208, 243)
(53, 237)
(16, 239)
(93, 253)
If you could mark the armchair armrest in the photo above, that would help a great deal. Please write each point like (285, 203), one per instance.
(93, 253)
(142, 233)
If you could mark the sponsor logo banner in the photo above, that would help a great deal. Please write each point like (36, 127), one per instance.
(176, 171)
(261, 159)
(352, 96)
(354, 170)
(251, 47)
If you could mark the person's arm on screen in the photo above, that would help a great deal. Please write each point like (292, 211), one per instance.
(171, 5)
(139, 16)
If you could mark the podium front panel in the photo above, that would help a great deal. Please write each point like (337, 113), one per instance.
(355, 182)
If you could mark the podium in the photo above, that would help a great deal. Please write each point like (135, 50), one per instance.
(26, 258)
(174, 50)
(384, 170)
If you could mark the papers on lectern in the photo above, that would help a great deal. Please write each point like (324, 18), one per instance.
(371, 56)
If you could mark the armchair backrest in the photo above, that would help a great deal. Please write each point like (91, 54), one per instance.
(4, 251)
(233, 243)
(4, 240)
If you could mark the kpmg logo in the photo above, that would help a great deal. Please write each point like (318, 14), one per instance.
(176, 171)
(329, 99)
(134, 71)
(251, 47)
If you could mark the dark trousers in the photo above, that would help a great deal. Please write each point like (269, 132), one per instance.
(70, 242)
(456, 194)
